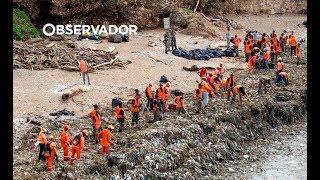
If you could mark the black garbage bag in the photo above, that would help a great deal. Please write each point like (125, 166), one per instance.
(229, 52)
(164, 79)
(176, 52)
(125, 38)
(305, 23)
(115, 102)
(96, 37)
(271, 65)
(61, 113)
(176, 92)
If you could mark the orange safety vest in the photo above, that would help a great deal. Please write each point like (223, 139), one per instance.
(179, 101)
(64, 138)
(293, 42)
(236, 89)
(285, 75)
(278, 47)
(298, 51)
(266, 56)
(216, 71)
(167, 93)
(279, 66)
(53, 147)
(80, 145)
(221, 70)
(224, 83)
(42, 138)
(272, 48)
(263, 41)
(83, 66)
(161, 94)
(204, 86)
(149, 92)
(96, 119)
(247, 48)
(236, 41)
(105, 137)
(135, 105)
(118, 115)
(203, 73)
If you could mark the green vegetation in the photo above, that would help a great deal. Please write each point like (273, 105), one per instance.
(23, 28)
(187, 10)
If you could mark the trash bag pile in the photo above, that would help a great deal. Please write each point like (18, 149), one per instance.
(203, 54)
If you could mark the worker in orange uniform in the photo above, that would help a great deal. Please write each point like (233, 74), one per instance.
(96, 122)
(280, 65)
(52, 147)
(42, 140)
(120, 116)
(238, 90)
(266, 58)
(149, 95)
(167, 94)
(202, 72)
(298, 52)
(264, 41)
(204, 88)
(215, 79)
(83, 65)
(272, 50)
(65, 142)
(105, 139)
(251, 63)
(199, 99)
(160, 92)
(247, 49)
(278, 50)
(230, 85)
(78, 145)
(180, 104)
(282, 76)
(236, 42)
(293, 45)
(135, 105)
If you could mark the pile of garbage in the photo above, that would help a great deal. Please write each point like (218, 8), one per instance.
(203, 54)
(43, 54)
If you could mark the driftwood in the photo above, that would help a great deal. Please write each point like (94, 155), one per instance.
(107, 63)
(72, 92)
(34, 122)
(34, 40)
(46, 54)
(148, 55)
(195, 9)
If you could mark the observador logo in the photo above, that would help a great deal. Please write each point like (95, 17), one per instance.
(50, 29)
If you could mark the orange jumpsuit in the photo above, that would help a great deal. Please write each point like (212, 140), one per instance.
(105, 141)
(76, 149)
(65, 142)
(50, 158)
(96, 119)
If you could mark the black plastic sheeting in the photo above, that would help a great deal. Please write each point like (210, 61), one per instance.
(203, 54)
(61, 113)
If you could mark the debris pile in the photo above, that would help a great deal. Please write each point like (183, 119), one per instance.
(203, 54)
(44, 54)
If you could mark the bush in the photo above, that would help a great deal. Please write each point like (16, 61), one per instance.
(23, 28)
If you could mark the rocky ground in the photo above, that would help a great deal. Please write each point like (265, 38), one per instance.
(233, 130)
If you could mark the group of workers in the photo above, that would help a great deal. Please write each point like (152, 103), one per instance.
(261, 51)
(212, 84)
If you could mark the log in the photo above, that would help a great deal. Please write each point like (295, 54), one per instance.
(34, 40)
(195, 9)
(106, 63)
(50, 45)
(72, 92)
(34, 122)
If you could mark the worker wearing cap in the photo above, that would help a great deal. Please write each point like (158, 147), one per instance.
(149, 95)
(53, 153)
(96, 122)
(65, 142)
(105, 139)
(78, 145)
(204, 89)
(135, 105)
(42, 139)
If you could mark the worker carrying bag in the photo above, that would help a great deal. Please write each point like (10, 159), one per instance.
(76, 140)
(47, 150)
